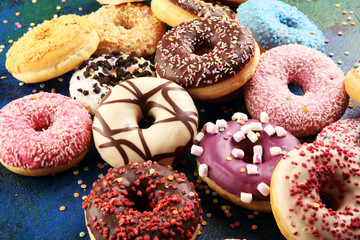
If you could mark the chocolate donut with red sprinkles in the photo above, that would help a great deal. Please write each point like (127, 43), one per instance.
(315, 193)
(143, 201)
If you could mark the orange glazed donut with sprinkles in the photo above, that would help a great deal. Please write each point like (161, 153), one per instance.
(236, 158)
(174, 12)
(315, 193)
(143, 201)
(210, 57)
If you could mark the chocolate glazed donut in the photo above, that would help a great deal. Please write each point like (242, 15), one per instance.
(118, 136)
(143, 201)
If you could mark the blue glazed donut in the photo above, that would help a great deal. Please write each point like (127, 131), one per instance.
(274, 23)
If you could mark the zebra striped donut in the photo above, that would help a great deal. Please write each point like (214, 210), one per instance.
(118, 136)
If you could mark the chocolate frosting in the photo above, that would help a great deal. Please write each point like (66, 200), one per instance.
(201, 52)
(205, 9)
(227, 173)
(148, 200)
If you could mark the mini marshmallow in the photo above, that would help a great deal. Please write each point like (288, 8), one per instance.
(258, 149)
(238, 153)
(270, 130)
(264, 117)
(264, 189)
(199, 137)
(221, 123)
(280, 131)
(256, 126)
(252, 169)
(246, 128)
(257, 158)
(203, 170)
(275, 151)
(211, 128)
(239, 116)
(246, 197)
(196, 150)
(238, 136)
(252, 136)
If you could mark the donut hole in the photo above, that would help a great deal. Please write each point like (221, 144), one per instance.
(329, 201)
(141, 203)
(42, 123)
(203, 48)
(295, 89)
(289, 22)
(146, 122)
(124, 23)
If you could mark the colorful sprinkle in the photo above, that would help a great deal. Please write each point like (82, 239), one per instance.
(62, 208)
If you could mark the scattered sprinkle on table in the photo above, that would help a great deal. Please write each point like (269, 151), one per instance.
(76, 195)
(82, 234)
(62, 208)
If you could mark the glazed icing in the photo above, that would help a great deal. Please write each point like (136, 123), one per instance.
(239, 175)
(324, 98)
(231, 47)
(275, 23)
(117, 134)
(299, 183)
(95, 77)
(145, 200)
(43, 130)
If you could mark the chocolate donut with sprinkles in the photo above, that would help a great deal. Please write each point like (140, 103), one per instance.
(210, 57)
(236, 158)
(143, 201)
(315, 193)
(174, 12)
(120, 136)
(94, 78)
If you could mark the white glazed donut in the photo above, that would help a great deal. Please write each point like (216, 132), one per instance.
(118, 136)
(95, 77)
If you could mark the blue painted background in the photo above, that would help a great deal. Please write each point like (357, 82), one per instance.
(29, 206)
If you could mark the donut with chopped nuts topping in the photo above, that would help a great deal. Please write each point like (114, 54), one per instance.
(236, 158)
(143, 201)
(315, 193)
(93, 79)
(174, 12)
(210, 58)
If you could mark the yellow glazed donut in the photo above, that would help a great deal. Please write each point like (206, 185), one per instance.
(118, 136)
(52, 49)
(352, 82)
(315, 193)
(127, 28)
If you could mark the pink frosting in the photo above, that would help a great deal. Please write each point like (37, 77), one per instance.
(324, 97)
(43, 130)
(248, 174)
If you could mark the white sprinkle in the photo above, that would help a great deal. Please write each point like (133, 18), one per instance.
(246, 197)
(203, 170)
(264, 117)
(238, 153)
(258, 149)
(280, 131)
(252, 169)
(238, 136)
(263, 188)
(275, 151)
(211, 128)
(270, 130)
(252, 136)
(196, 150)
(257, 158)
(239, 116)
(199, 137)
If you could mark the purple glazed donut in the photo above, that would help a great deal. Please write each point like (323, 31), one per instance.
(237, 158)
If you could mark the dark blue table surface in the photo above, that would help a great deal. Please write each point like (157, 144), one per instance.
(30, 206)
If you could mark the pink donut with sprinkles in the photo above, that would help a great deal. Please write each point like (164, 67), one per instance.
(236, 158)
(323, 100)
(43, 134)
(315, 193)
(345, 132)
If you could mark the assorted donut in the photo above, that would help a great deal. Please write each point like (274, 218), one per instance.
(132, 92)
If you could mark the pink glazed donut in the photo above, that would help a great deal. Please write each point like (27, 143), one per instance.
(43, 134)
(324, 98)
(237, 158)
